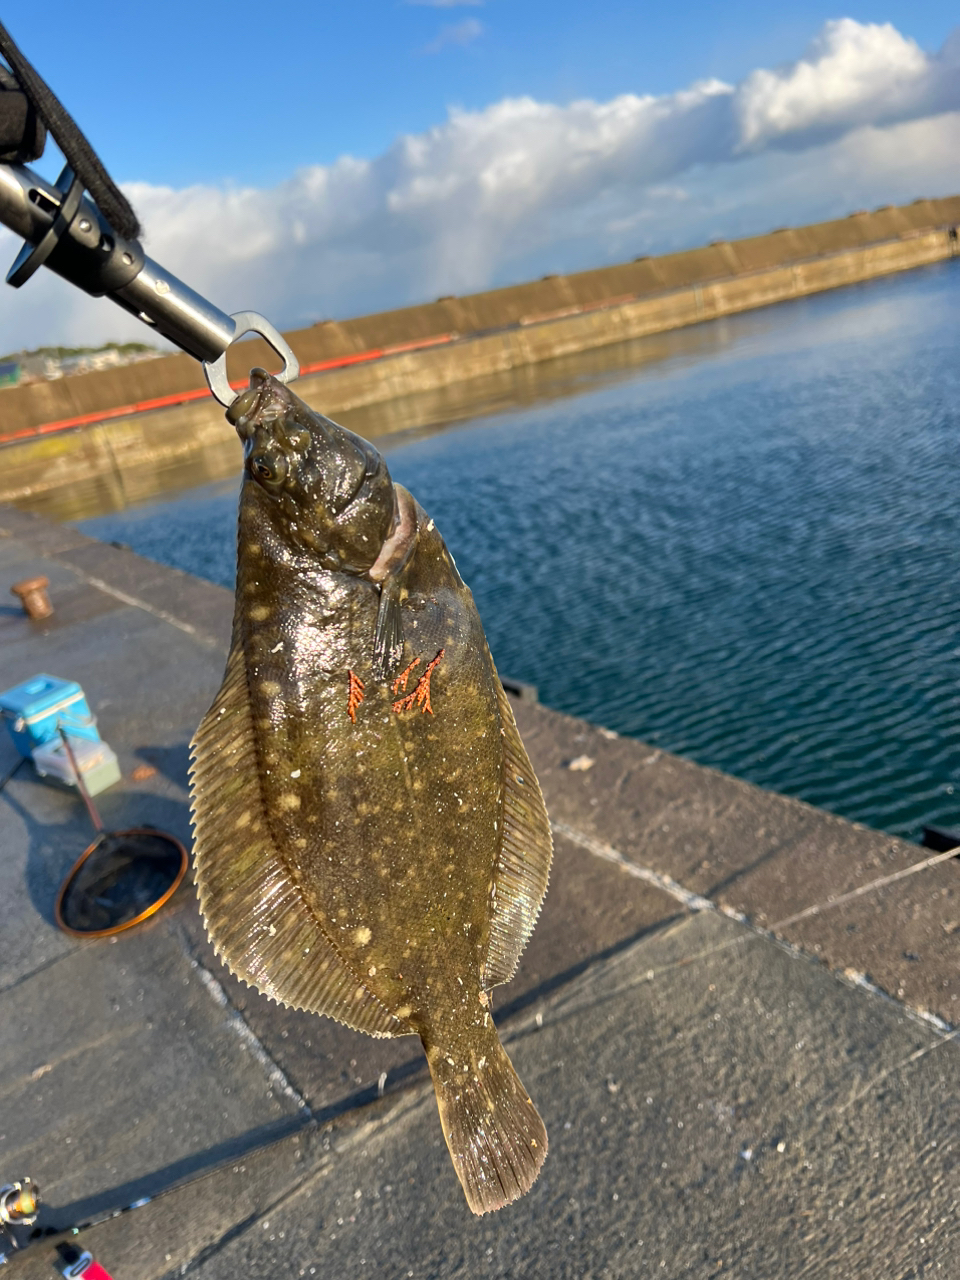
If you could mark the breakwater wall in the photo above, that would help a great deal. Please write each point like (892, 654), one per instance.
(109, 424)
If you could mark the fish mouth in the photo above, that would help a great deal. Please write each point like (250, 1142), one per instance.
(266, 402)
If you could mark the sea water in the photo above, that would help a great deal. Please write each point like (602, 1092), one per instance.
(747, 555)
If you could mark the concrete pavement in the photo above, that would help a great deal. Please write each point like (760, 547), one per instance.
(736, 1016)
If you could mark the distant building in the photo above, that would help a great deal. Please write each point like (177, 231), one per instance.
(47, 364)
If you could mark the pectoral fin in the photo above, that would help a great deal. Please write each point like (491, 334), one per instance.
(388, 636)
(387, 570)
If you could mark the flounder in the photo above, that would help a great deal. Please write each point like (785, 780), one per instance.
(371, 841)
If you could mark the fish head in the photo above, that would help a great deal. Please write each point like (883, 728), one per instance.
(322, 489)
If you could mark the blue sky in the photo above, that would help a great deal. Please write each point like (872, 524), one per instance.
(330, 159)
(182, 92)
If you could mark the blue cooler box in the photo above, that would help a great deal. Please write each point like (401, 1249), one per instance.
(35, 710)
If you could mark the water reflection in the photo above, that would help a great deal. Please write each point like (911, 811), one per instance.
(115, 488)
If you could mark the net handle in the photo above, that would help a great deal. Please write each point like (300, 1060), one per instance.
(91, 807)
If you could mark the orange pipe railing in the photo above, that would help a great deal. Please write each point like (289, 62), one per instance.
(199, 393)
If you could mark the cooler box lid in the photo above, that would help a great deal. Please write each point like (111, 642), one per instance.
(37, 695)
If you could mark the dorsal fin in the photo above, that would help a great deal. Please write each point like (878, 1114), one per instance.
(256, 916)
(523, 866)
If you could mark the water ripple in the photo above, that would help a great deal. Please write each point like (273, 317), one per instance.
(751, 559)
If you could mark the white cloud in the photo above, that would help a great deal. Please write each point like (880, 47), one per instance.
(522, 187)
(459, 34)
(852, 74)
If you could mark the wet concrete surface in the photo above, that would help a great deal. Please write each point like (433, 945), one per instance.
(814, 1076)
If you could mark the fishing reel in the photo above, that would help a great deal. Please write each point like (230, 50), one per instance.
(19, 1205)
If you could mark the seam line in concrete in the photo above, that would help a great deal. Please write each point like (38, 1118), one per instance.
(942, 1030)
(692, 901)
(136, 603)
(695, 902)
(908, 1061)
(237, 1024)
(140, 604)
(862, 889)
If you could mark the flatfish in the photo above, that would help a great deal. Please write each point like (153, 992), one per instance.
(371, 841)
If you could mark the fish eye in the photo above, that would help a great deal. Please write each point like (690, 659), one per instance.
(267, 470)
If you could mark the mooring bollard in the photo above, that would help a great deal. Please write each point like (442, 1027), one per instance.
(32, 593)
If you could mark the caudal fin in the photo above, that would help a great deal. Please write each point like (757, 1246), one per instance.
(495, 1137)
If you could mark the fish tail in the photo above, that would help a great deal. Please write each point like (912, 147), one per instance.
(495, 1137)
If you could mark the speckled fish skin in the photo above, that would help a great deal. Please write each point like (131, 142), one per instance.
(371, 841)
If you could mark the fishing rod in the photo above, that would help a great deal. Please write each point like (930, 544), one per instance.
(92, 240)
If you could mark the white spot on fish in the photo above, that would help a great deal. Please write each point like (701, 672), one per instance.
(362, 936)
(295, 773)
(277, 647)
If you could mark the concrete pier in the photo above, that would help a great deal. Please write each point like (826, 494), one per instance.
(737, 1016)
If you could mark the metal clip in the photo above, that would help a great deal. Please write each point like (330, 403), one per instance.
(215, 371)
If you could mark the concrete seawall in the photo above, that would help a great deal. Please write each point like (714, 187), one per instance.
(470, 339)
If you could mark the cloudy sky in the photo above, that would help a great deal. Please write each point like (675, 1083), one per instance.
(334, 160)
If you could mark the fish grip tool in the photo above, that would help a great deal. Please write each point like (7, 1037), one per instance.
(83, 228)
